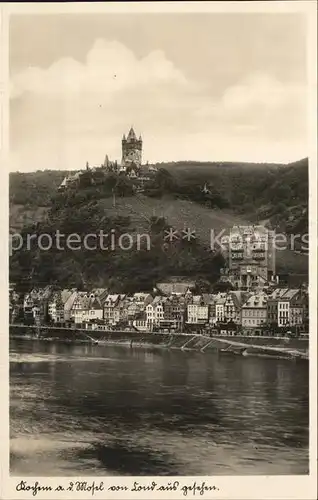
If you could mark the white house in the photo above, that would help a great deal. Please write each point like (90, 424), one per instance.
(290, 308)
(254, 311)
(80, 307)
(114, 308)
(56, 308)
(155, 311)
(197, 311)
(220, 308)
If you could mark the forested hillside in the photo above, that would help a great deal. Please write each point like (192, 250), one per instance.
(265, 192)
(195, 195)
(119, 269)
(34, 189)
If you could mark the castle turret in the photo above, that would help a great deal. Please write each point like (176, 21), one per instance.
(106, 161)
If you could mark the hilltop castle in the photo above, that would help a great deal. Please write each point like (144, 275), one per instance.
(130, 166)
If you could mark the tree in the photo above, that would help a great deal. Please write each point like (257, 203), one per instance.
(222, 286)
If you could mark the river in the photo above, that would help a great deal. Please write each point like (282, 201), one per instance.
(110, 411)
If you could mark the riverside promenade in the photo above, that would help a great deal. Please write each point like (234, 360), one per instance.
(241, 345)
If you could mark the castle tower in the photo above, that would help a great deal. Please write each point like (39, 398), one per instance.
(131, 149)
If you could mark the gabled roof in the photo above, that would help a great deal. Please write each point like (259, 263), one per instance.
(66, 294)
(101, 293)
(158, 300)
(277, 293)
(238, 297)
(112, 298)
(68, 304)
(42, 293)
(95, 303)
(290, 294)
(255, 301)
(82, 300)
(233, 298)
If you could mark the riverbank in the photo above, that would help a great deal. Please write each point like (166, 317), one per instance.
(290, 348)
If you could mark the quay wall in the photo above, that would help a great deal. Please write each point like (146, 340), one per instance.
(163, 340)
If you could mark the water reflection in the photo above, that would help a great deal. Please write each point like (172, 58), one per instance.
(114, 410)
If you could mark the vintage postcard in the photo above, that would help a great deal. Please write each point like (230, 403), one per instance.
(159, 213)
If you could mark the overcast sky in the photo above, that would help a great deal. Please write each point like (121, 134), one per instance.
(197, 87)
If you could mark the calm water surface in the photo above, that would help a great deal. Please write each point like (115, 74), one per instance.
(111, 410)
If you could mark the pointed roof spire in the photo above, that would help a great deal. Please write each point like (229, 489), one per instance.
(131, 135)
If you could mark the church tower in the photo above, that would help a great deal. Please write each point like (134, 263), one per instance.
(131, 150)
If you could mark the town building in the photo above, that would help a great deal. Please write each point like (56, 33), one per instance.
(140, 323)
(198, 311)
(287, 307)
(272, 306)
(291, 308)
(136, 308)
(35, 304)
(155, 312)
(233, 305)
(56, 308)
(276, 311)
(95, 310)
(254, 313)
(114, 309)
(251, 257)
(174, 313)
(86, 308)
(219, 308)
(75, 180)
(80, 308)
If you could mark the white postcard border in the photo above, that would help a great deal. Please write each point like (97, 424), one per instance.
(251, 487)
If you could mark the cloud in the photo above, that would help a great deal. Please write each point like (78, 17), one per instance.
(71, 112)
(110, 67)
(258, 90)
(262, 106)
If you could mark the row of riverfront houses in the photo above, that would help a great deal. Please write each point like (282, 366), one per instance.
(170, 307)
